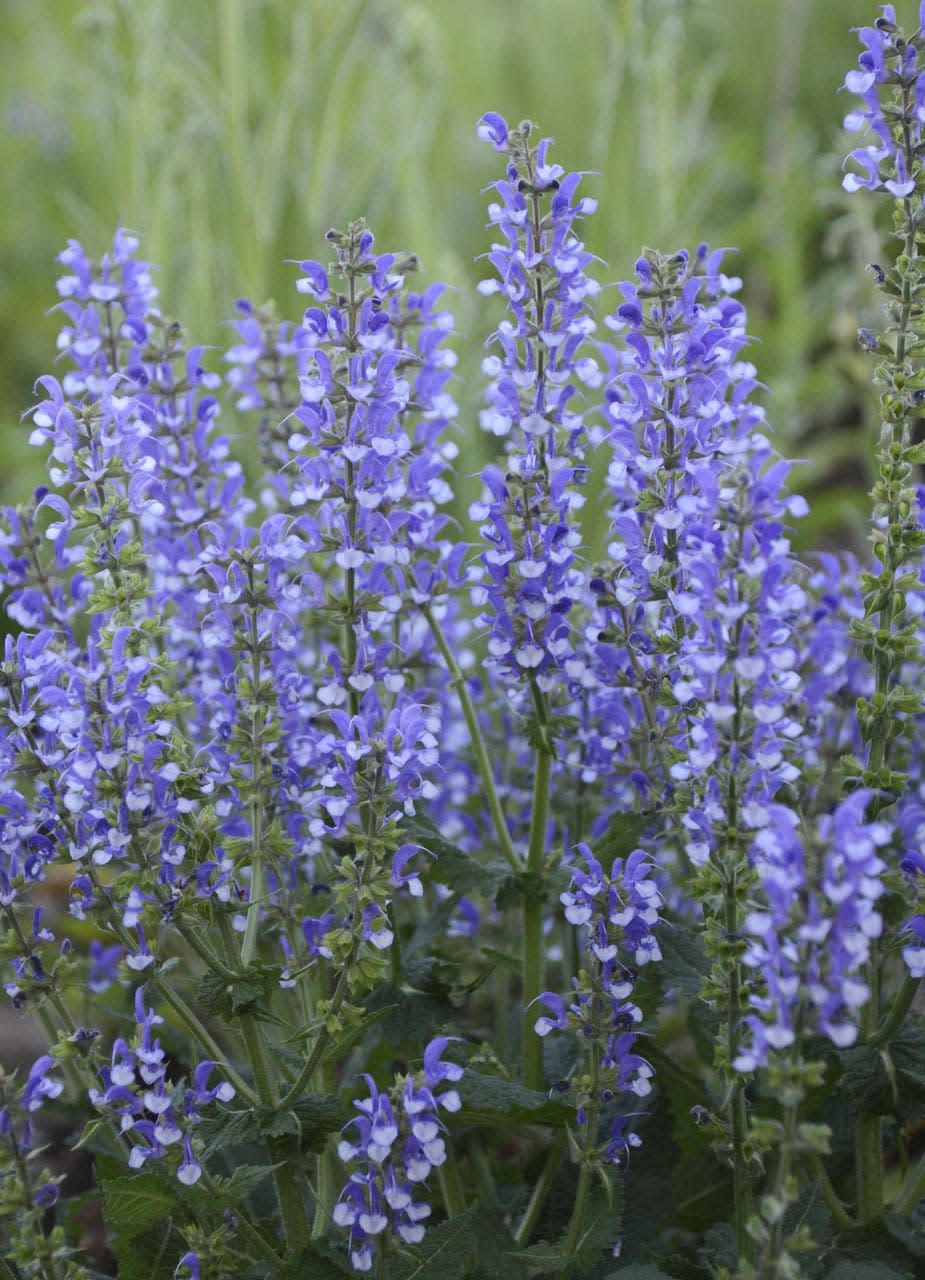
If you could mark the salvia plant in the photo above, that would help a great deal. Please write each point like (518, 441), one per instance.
(399, 898)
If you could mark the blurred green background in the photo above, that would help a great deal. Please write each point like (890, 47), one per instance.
(232, 133)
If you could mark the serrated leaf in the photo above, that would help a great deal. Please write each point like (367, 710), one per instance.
(454, 867)
(684, 964)
(139, 1210)
(317, 1261)
(446, 1252)
(152, 1255)
(133, 1202)
(543, 1258)
(310, 1120)
(862, 1271)
(638, 1271)
(888, 1080)
(243, 1181)
(624, 831)
(490, 1097)
(247, 991)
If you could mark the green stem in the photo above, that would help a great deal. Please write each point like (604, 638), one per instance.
(482, 1173)
(251, 1234)
(902, 1003)
(741, 1182)
(454, 1198)
(579, 1209)
(483, 764)
(198, 1032)
(868, 1137)
(323, 1040)
(533, 949)
(868, 1131)
(203, 950)
(840, 1215)
(258, 872)
(288, 1193)
(541, 1189)
(769, 1266)
(913, 1190)
(395, 948)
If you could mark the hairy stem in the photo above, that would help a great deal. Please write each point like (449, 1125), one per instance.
(483, 763)
(533, 948)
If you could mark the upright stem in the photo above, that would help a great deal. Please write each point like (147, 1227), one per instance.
(533, 949)
(541, 1189)
(768, 1266)
(288, 1192)
(258, 879)
(589, 1158)
(741, 1182)
(483, 764)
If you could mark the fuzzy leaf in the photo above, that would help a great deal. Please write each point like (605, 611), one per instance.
(132, 1202)
(319, 1262)
(684, 964)
(622, 836)
(455, 868)
(248, 991)
(242, 1182)
(447, 1251)
(637, 1271)
(888, 1081)
(139, 1210)
(489, 1097)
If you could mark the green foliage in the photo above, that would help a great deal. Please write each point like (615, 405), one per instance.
(490, 1098)
(142, 1211)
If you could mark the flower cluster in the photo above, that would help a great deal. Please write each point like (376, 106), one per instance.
(26, 1191)
(618, 913)
(812, 939)
(137, 1095)
(396, 1145)
(889, 59)
(530, 578)
(692, 637)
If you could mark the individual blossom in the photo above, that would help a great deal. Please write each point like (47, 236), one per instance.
(396, 1143)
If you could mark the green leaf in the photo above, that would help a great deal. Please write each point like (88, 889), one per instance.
(862, 1271)
(243, 1181)
(447, 1251)
(455, 868)
(544, 1258)
(317, 1261)
(250, 991)
(152, 1255)
(637, 1271)
(622, 836)
(684, 965)
(132, 1202)
(139, 1210)
(488, 1097)
(310, 1120)
(888, 1080)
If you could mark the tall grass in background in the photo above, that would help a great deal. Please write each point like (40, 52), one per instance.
(232, 134)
